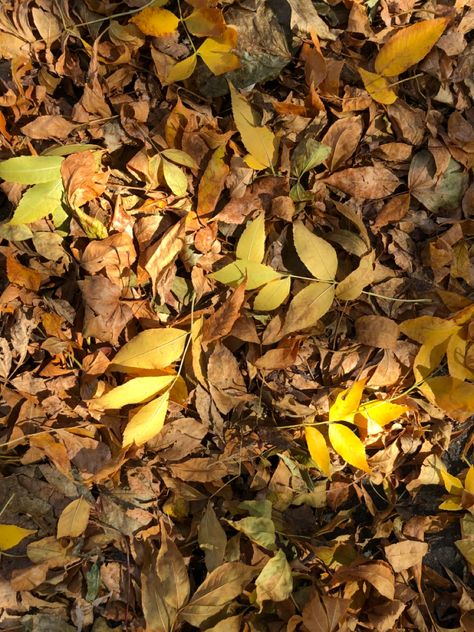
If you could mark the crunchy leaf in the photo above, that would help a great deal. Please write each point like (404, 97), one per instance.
(404, 555)
(74, 519)
(212, 539)
(366, 183)
(275, 582)
(348, 445)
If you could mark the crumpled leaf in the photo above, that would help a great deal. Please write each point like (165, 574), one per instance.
(275, 582)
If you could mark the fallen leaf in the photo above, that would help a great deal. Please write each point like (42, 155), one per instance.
(48, 126)
(155, 21)
(217, 52)
(272, 295)
(406, 554)
(146, 422)
(212, 539)
(318, 256)
(150, 349)
(206, 22)
(135, 391)
(318, 449)
(347, 402)
(23, 276)
(308, 306)
(275, 582)
(74, 519)
(221, 322)
(348, 445)
(254, 274)
(38, 202)
(11, 535)
(378, 87)
(31, 169)
(366, 183)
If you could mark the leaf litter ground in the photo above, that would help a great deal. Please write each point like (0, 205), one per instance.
(236, 350)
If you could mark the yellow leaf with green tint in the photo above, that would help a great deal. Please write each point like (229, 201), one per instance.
(452, 483)
(251, 245)
(31, 169)
(272, 295)
(216, 52)
(317, 254)
(11, 535)
(257, 274)
(308, 306)
(258, 140)
(467, 549)
(135, 391)
(408, 46)
(348, 445)
(182, 69)
(378, 87)
(146, 422)
(74, 519)
(382, 413)
(318, 449)
(469, 480)
(38, 202)
(175, 177)
(150, 349)
(92, 226)
(155, 21)
(347, 402)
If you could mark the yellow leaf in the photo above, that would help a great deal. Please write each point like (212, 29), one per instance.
(197, 352)
(93, 227)
(450, 505)
(467, 549)
(382, 413)
(454, 397)
(257, 274)
(452, 483)
(179, 391)
(469, 480)
(251, 245)
(308, 306)
(74, 519)
(258, 140)
(351, 287)
(378, 87)
(216, 52)
(317, 255)
(348, 445)
(151, 349)
(206, 22)
(347, 402)
(408, 46)
(272, 295)
(318, 449)
(427, 329)
(456, 354)
(146, 422)
(182, 69)
(11, 535)
(155, 21)
(135, 391)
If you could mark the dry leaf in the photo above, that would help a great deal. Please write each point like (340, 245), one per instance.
(74, 519)
(404, 555)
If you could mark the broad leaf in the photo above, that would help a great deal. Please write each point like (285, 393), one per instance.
(259, 530)
(212, 538)
(11, 535)
(352, 286)
(318, 449)
(256, 274)
(382, 413)
(181, 157)
(31, 169)
(74, 519)
(251, 245)
(272, 295)
(175, 177)
(216, 52)
(146, 422)
(135, 391)
(347, 402)
(206, 22)
(317, 255)
(38, 202)
(275, 582)
(172, 572)
(182, 69)
(378, 87)
(155, 21)
(308, 306)
(151, 349)
(348, 445)
(307, 155)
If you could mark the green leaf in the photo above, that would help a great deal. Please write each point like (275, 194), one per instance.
(175, 178)
(272, 295)
(180, 157)
(251, 245)
(317, 255)
(257, 274)
(259, 530)
(31, 169)
(307, 155)
(275, 582)
(38, 202)
(308, 306)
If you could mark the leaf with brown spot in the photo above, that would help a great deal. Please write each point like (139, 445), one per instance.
(366, 183)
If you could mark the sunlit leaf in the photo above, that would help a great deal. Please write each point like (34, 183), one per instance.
(318, 449)
(155, 21)
(408, 46)
(348, 445)
(308, 306)
(272, 295)
(456, 356)
(452, 483)
(259, 530)
(31, 169)
(206, 22)
(352, 286)
(251, 245)
(383, 412)
(182, 69)
(429, 329)
(150, 349)
(38, 202)
(11, 535)
(258, 140)
(308, 154)
(257, 274)
(92, 226)
(451, 505)
(347, 402)
(378, 87)
(146, 422)
(317, 255)
(175, 178)
(469, 480)
(216, 52)
(74, 519)
(135, 391)
(180, 157)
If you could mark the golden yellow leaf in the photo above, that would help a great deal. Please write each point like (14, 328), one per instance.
(251, 245)
(179, 391)
(452, 483)
(382, 413)
(317, 254)
(408, 46)
(456, 355)
(454, 397)
(318, 449)
(272, 295)
(216, 52)
(206, 22)
(155, 21)
(351, 287)
(135, 391)
(197, 356)
(451, 505)
(469, 480)
(182, 69)
(348, 445)
(378, 87)
(151, 349)
(11, 535)
(308, 306)
(427, 329)
(257, 274)
(258, 140)
(347, 402)
(146, 422)
(74, 519)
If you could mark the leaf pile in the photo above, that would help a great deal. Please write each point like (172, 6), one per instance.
(237, 334)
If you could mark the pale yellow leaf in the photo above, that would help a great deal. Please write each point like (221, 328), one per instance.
(428, 329)
(155, 21)
(318, 449)
(182, 69)
(317, 255)
(216, 52)
(467, 549)
(352, 286)
(151, 349)
(408, 46)
(256, 274)
(175, 177)
(308, 306)
(258, 140)
(251, 245)
(146, 422)
(74, 519)
(272, 295)
(456, 355)
(275, 582)
(135, 391)
(11, 535)
(378, 87)
(347, 402)
(348, 445)
(454, 397)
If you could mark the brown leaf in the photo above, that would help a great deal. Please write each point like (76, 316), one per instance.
(23, 276)
(280, 358)
(172, 572)
(163, 253)
(115, 255)
(48, 126)
(221, 322)
(394, 210)
(105, 315)
(159, 616)
(377, 331)
(83, 178)
(226, 382)
(212, 182)
(203, 470)
(403, 555)
(324, 614)
(377, 573)
(343, 137)
(367, 183)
